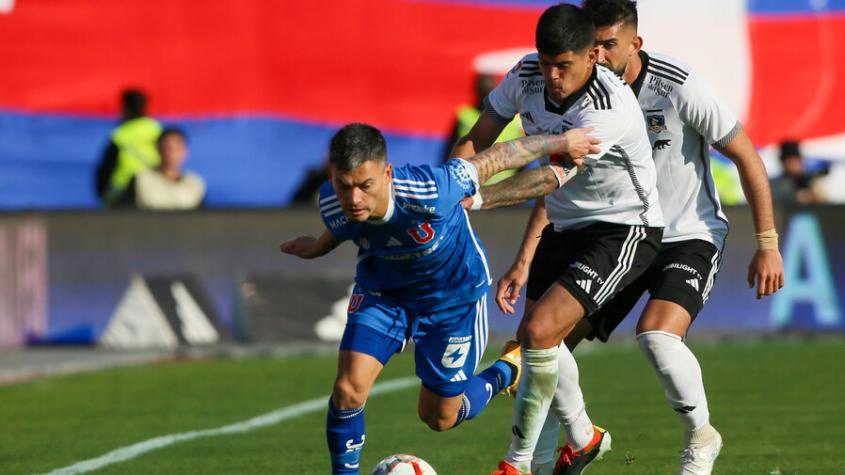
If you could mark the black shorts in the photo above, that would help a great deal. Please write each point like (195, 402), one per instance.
(683, 273)
(592, 263)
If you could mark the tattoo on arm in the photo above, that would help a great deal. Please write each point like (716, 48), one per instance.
(512, 154)
(519, 188)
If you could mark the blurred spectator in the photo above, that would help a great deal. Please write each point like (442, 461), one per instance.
(166, 187)
(796, 185)
(132, 148)
(467, 115)
(308, 192)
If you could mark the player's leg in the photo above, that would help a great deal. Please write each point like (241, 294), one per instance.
(450, 345)
(371, 337)
(598, 325)
(683, 285)
(612, 257)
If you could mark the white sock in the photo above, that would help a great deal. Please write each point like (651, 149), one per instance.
(679, 373)
(568, 402)
(544, 452)
(533, 399)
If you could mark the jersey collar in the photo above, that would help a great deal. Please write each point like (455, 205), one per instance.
(391, 205)
(571, 99)
(638, 83)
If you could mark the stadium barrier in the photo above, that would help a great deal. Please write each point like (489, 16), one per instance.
(63, 275)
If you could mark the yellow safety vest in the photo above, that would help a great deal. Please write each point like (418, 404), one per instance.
(136, 144)
(468, 116)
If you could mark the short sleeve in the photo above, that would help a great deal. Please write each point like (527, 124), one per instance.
(699, 108)
(503, 99)
(609, 126)
(333, 216)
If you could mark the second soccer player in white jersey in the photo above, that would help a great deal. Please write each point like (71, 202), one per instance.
(599, 232)
(683, 118)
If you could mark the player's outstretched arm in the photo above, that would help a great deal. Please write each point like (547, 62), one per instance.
(766, 267)
(515, 154)
(309, 247)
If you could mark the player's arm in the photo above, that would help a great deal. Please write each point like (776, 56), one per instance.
(482, 135)
(510, 285)
(767, 264)
(309, 247)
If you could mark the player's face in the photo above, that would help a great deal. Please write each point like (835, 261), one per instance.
(567, 72)
(173, 150)
(363, 191)
(616, 44)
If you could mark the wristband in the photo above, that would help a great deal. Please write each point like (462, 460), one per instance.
(477, 201)
(767, 240)
(563, 174)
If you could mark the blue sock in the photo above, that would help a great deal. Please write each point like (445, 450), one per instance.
(482, 388)
(345, 435)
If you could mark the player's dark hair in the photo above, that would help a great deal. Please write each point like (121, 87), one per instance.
(133, 104)
(563, 28)
(610, 12)
(354, 144)
(172, 131)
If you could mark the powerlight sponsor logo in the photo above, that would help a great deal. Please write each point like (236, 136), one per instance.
(587, 270)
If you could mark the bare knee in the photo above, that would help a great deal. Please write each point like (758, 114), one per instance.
(540, 332)
(348, 395)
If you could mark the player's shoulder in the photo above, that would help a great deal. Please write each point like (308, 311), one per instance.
(526, 70)
(669, 69)
(415, 182)
(330, 209)
(606, 94)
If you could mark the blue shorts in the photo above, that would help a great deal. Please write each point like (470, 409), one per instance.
(449, 343)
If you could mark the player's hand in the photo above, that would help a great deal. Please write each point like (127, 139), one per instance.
(580, 143)
(766, 269)
(303, 246)
(509, 286)
(466, 203)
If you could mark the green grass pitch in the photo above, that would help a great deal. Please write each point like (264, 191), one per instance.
(780, 407)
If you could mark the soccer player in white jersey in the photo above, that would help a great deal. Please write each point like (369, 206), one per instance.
(422, 274)
(683, 118)
(599, 232)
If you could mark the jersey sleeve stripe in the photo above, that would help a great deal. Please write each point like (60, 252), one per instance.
(327, 199)
(417, 196)
(333, 212)
(329, 207)
(665, 75)
(414, 182)
(605, 94)
(669, 66)
(668, 71)
(415, 188)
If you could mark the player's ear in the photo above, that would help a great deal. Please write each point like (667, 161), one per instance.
(388, 171)
(637, 43)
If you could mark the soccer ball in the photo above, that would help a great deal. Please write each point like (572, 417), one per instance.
(403, 464)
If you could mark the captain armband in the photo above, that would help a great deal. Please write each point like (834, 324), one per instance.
(767, 239)
(563, 174)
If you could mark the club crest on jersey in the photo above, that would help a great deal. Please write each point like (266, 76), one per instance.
(355, 302)
(422, 233)
(460, 173)
(656, 123)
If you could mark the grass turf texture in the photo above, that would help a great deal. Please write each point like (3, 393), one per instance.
(778, 405)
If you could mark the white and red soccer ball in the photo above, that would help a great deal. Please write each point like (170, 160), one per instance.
(403, 464)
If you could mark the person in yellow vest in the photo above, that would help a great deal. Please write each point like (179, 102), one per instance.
(168, 186)
(132, 148)
(467, 115)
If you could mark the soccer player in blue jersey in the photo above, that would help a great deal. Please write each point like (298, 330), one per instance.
(422, 275)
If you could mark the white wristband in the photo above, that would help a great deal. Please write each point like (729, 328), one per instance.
(477, 201)
(563, 174)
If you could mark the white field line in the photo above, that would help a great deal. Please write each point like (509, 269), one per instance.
(264, 420)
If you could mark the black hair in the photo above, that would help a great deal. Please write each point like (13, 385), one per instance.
(789, 148)
(133, 104)
(171, 131)
(563, 28)
(354, 144)
(606, 13)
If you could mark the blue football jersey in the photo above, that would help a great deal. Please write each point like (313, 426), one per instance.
(423, 252)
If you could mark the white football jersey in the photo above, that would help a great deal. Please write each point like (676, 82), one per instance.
(684, 118)
(618, 184)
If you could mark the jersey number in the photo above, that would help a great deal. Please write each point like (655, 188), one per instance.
(422, 234)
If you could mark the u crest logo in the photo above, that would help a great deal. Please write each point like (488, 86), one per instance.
(355, 302)
(422, 234)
